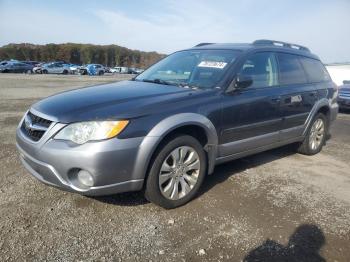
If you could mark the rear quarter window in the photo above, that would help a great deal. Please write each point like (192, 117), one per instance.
(315, 70)
(290, 69)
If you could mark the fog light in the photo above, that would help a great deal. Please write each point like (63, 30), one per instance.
(85, 178)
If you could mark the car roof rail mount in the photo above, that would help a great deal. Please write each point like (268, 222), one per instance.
(280, 43)
(202, 44)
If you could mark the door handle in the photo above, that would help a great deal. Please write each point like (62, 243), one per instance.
(296, 99)
(276, 100)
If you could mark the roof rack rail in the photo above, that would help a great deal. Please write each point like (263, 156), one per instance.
(202, 44)
(280, 43)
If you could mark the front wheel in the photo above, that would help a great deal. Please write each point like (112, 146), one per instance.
(177, 172)
(315, 137)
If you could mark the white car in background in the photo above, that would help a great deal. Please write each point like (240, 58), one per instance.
(74, 69)
(55, 68)
(119, 70)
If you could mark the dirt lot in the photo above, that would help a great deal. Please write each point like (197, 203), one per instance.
(278, 203)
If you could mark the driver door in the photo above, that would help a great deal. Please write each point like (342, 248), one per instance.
(251, 116)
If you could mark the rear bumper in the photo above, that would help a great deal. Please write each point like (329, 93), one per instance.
(112, 163)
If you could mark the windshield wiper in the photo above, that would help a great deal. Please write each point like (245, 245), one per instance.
(186, 85)
(157, 81)
(163, 82)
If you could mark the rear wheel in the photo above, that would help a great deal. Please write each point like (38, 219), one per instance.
(316, 136)
(177, 172)
(44, 71)
(65, 72)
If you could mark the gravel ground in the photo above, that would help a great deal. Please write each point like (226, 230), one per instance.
(276, 203)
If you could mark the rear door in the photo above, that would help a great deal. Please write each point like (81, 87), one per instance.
(58, 69)
(298, 95)
(251, 116)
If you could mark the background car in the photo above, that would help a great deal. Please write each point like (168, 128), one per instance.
(92, 69)
(344, 95)
(119, 70)
(55, 68)
(37, 69)
(73, 68)
(15, 67)
(132, 70)
(33, 63)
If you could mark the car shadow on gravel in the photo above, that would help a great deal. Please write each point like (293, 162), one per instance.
(303, 246)
(224, 171)
(123, 199)
(344, 110)
(221, 174)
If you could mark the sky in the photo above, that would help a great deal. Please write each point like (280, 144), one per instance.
(169, 25)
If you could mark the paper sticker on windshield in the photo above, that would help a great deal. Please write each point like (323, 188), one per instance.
(212, 64)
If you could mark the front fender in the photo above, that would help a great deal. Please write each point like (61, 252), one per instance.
(164, 127)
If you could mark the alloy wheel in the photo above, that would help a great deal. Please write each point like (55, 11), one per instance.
(316, 134)
(179, 172)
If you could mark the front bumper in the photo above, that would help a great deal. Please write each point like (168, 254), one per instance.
(334, 109)
(112, 163)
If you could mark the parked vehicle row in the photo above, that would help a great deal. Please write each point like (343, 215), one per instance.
(61, 67)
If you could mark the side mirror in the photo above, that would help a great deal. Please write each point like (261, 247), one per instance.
(243, 81)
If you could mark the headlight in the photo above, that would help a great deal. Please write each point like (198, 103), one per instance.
(82, 132)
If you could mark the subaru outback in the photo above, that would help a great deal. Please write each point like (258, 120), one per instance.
(166, 129)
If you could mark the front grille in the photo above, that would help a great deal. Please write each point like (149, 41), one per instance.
(34, 127)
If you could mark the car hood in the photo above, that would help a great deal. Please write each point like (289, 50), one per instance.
(121, 100)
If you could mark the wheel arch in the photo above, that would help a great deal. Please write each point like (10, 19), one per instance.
(186, 123)
(322, 106)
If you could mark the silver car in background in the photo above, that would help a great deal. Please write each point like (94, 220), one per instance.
(55, 68)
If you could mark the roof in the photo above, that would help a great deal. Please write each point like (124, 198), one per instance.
(230, 46)
(257, 45)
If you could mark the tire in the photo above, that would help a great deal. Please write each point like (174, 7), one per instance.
(44, 71)
(100, 73)
(65, 72)
(191, 151)
(315, 137)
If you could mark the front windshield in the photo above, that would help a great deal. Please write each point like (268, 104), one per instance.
(192, 68)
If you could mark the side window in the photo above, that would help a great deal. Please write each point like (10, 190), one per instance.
(290, 70)
(262, 68)
(315, 70)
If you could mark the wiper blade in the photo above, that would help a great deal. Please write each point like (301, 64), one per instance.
(163, 82)
(186, 85)
(157, 81)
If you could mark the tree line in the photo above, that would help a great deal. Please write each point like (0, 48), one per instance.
(108, 55)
